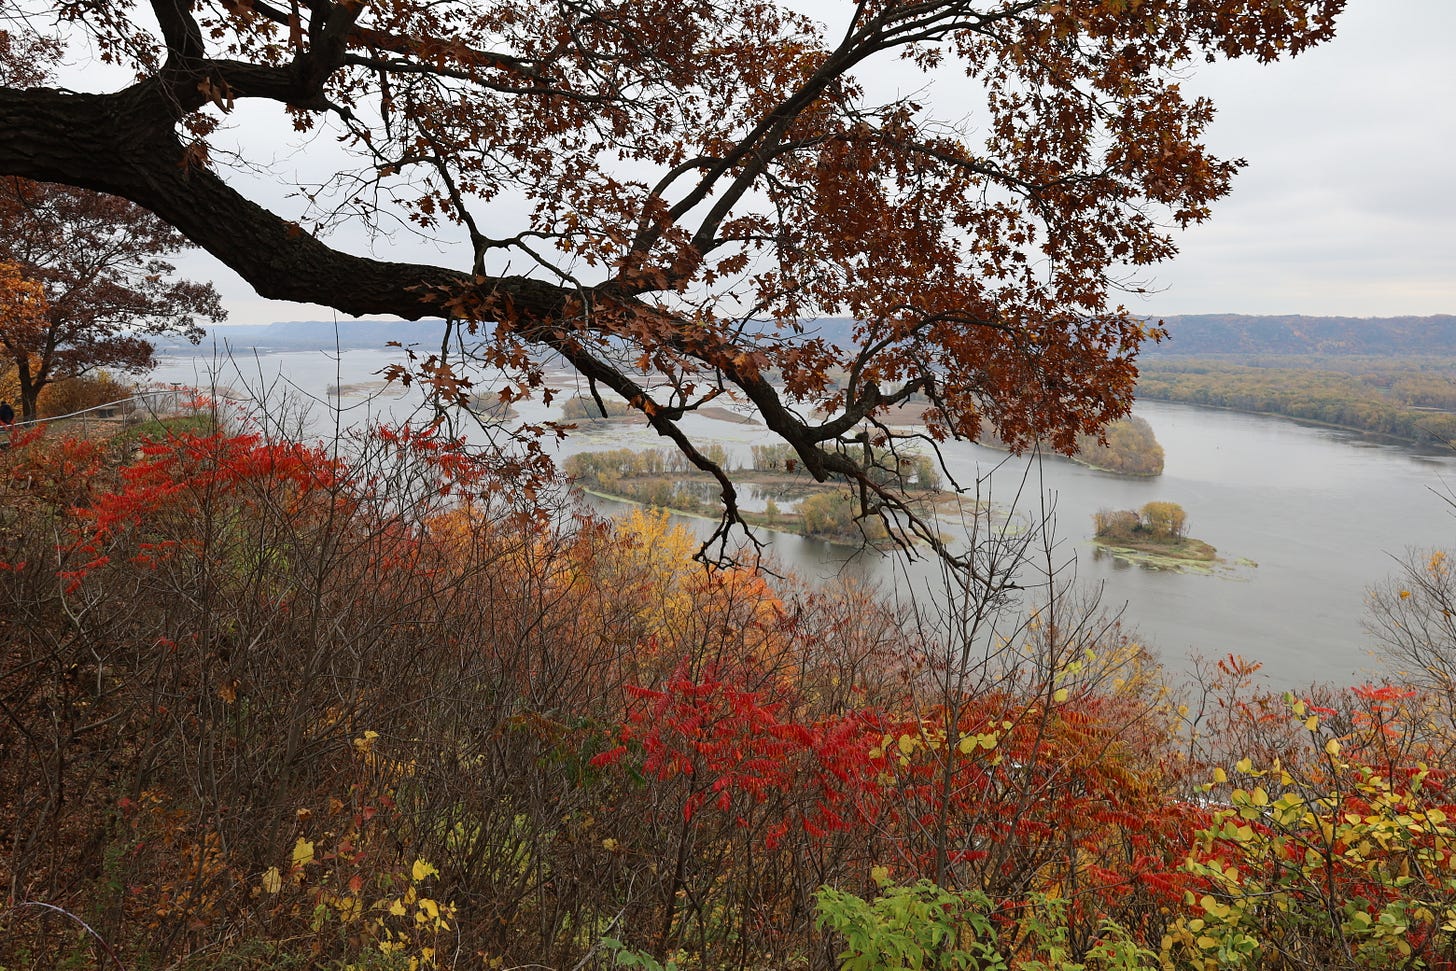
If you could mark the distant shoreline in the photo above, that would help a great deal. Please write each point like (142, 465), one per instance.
(1385, 437)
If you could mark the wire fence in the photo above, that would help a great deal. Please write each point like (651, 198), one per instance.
(148, 404)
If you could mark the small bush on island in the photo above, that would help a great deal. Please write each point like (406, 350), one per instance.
(910, 471)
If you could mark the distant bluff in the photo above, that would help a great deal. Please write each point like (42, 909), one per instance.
(1296, 334)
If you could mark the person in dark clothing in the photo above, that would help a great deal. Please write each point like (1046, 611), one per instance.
(7, 414)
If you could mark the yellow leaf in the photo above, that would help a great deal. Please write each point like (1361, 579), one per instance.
(350, 909)
(967, 744)
(907, 744)
(1312, 723)
(1332, 747)
(988, 741)
(421, 870)
(302, 852)
(1298, 708)
(272, 880)
(396, 907)
(1219, 775)
(1060, 696)
(1245, 765)
(880, 875)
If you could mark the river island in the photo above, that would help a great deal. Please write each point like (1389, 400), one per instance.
(1154, 536)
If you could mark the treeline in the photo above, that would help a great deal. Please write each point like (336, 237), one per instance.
(658, 477)
(1402, 402)
(1290, 334)
(665, 478)
(69, 396)
(267, 707)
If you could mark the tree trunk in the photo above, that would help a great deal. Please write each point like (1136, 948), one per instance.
(30, 390)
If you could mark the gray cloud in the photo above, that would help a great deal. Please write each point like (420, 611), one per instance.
(1347, 206)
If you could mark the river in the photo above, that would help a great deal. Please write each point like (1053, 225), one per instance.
(1323, 513)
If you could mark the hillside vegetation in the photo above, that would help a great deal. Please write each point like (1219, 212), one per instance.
(269, 707)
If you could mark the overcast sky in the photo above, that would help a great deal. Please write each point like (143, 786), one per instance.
(1347, 206)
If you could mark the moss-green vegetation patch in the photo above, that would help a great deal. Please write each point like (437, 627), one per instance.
(155, 429)
(1154, 559)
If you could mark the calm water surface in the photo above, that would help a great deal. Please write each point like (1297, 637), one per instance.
(1322, 513)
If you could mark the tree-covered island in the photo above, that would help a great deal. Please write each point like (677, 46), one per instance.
(1128, 447)
(1154, 536)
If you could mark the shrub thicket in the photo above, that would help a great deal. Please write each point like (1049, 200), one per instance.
(267, 707)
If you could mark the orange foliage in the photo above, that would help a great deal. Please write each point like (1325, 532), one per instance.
(309, 694)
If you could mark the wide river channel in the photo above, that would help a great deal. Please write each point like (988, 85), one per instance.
(1324, 515)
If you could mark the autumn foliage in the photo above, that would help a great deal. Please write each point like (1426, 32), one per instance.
(270, 702)
(84, 281)
(669, 195)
